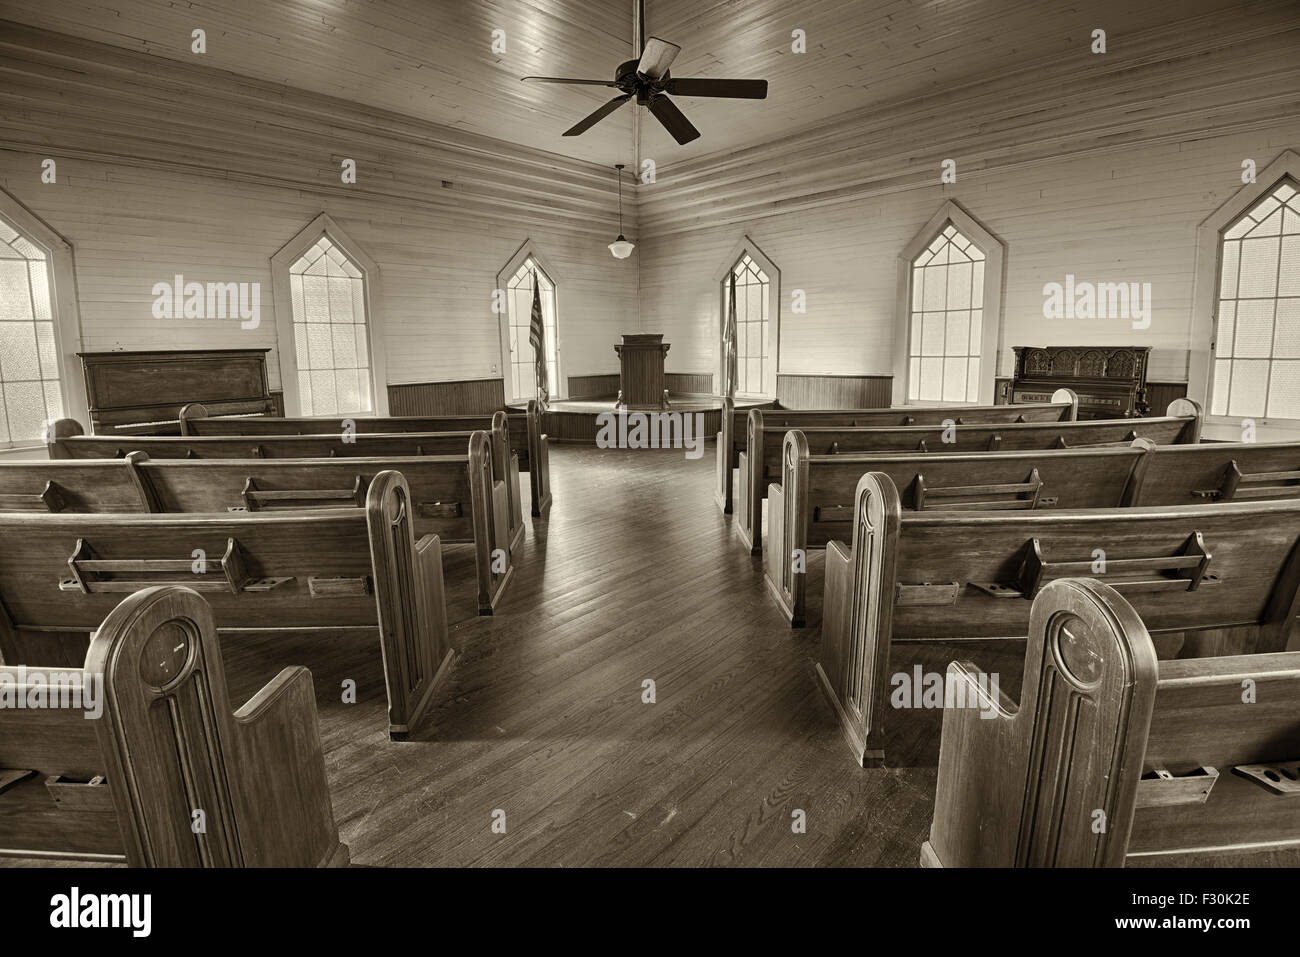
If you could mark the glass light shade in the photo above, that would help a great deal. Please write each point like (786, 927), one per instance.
(621, 248)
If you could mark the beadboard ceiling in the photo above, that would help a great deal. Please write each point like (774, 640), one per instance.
(432, 59)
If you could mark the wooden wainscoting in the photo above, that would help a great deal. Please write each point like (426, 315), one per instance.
(689, 383)
(1160, 394)
(460, 397)
(834, 391)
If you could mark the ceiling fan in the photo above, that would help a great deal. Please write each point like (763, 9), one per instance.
(648, 80)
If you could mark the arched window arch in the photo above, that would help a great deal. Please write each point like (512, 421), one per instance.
(1247, 301)
(326, 291)
(517, 356)
(950, 311)
(40, 332)
(758, 319)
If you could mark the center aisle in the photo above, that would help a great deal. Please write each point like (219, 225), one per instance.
(634, 576)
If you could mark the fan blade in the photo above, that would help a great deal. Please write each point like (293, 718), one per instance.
(699, 86)
(585, 124)
(559, 79)
(657, 57)
(673, 119)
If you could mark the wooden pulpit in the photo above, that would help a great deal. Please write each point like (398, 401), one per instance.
(641, 371)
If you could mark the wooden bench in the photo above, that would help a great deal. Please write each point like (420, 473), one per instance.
(524, 430)
(733, 437)
(1187, 762)
(917, 576)
(125, 786)
(68, 441)
(814, 502)
(332, 570)
(760, 464)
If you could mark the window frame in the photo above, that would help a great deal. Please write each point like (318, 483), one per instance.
(64, 307)
(281, 262)
(772, 369)
(994, 250)
(559, 388)
(1208, 277)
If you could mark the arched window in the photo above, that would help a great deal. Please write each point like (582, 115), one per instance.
(1256, 345)
(951, 311)
(38, 328)
(757, 282)
(517, 279)
(329, 329)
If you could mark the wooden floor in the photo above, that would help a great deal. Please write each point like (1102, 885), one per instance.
(634, 575)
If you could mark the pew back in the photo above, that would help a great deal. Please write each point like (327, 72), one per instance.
(263, 571)
(968, 575)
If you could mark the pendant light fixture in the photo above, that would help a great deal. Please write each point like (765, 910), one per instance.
(620, 247)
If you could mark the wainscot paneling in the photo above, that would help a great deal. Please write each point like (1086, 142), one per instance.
(834, 391)
(462, 397)
(1160, 394)
(606, 383)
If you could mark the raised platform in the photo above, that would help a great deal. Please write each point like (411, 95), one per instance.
(575, 420)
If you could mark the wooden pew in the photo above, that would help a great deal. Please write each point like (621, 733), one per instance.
(813, 504)
(331, 569)
(760, 464)
(68, 441)
(1220, 472)
(1190, 762)
(124, 786)
(526, 437)
(917, 576)
(1064, 407)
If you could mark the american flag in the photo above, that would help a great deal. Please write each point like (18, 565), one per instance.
(729, 335)
(537, 339)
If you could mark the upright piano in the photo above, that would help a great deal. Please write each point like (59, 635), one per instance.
(1111, 382)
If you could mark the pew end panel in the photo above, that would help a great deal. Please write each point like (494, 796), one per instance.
(505, 467)
(1070, 399)
(411, 606)
(856, 626)
(1054, 782)
(724, 454)
(752, 483)
(785, 560)
(493, 539)
(539, 469)
(173, 746)
(1192, 411)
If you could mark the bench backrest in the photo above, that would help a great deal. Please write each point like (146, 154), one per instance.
(762, 461)
(732, 440)
(124, 785)
(963, 575)
(1221, 472)
(332, 568)
(1106, 734)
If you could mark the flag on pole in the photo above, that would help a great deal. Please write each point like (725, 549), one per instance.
(729, 334)
(537, 338)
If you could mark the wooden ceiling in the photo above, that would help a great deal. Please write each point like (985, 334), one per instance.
(432, 59)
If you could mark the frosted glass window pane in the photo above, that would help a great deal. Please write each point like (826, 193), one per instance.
(1222, 371)
(300, 345)
(340, 300)
(47, 350)
(1284, 391)
(976, 332)
(15, 297)
(7, 233)
(936, 287)
(972, 380)
(916, 336)
(358, 302)
(1289, 279)
(25, 408)
(959, 280)
(932, 379)
(323, 392)
(914, 379)
(977, 286)
(304, 393)
(1254, 333)
(18, 358)
(932, 334)
(363, 391)
(1258, 268)
(319, 346)
(348, 396)
(53, 401)
(295, 293)
(957, 340)
(345, 347)
(918, 286)
(954, 380)
(1286, 335)
(316, 306)
(1271, 226)
(1228, 270)
(1240, 229)
(1249, 379)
